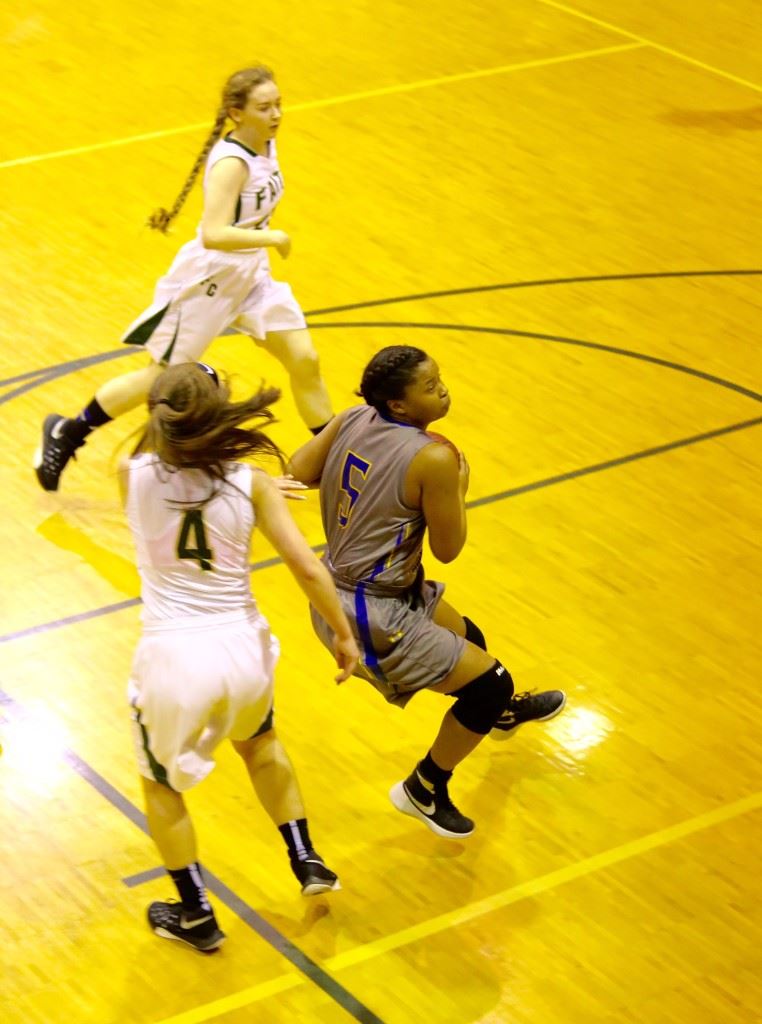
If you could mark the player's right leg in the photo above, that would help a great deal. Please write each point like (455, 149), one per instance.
(62, 436)
(183, 320)
(482, 689)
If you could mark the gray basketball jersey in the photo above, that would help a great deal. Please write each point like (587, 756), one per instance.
(374, 538)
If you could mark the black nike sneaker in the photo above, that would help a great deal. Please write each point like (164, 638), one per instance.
(432, 805)
(197, 928)
(55, 451)
(314, 876)
(528, 707)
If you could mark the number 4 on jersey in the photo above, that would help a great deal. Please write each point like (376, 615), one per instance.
(193, 522)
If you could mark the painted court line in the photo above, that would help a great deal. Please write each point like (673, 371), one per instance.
(650, 43)
(386, 90)
(118, 606)
(464, 915)
(535, 485)
(311, 970)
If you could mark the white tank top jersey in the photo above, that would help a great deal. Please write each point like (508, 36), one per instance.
(263, 187)
(192, 561)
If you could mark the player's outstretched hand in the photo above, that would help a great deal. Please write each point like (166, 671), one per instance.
(288, 486)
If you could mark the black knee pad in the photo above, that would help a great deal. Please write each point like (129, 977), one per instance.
(480, 703)
(474, 634)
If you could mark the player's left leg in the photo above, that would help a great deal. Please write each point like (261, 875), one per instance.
(445, 615)
(295, 350)
(191, 920)
(523, 707)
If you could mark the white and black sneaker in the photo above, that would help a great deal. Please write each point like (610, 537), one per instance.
(314, 876)
(431, 805)
(55, 451)
(197, 928)
(528, 707)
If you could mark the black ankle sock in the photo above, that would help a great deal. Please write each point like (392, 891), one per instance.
(297, 837)
(316, 430)
(189, 883)
(431, 771)
(92, 416)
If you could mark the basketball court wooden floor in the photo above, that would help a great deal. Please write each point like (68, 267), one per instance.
(560, 203)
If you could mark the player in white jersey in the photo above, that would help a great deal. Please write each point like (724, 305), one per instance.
(203, 669)
(384, 483)
(218, 282)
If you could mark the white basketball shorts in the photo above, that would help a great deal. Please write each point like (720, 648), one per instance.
(204, 294)
(191, 688)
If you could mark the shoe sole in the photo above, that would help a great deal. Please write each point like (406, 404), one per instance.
(501, 735)
(404, 805)
(316, 888)
(37, 459)
(165, 934)
(37, 465)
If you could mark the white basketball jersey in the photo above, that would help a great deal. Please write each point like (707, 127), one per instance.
(192, 561)
(263, 187)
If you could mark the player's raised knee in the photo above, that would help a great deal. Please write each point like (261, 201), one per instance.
(480, 703)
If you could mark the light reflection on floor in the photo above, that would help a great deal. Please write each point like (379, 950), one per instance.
(34, 743)
(575, 734)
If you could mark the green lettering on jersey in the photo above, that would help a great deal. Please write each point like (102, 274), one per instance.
(193, 522)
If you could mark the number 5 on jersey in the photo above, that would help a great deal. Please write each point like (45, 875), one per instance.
(351, 486)
(193, 522)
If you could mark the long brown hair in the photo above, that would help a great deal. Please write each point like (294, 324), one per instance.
(235, 93)
(194, 425)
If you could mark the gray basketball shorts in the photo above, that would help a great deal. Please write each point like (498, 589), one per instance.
(401, 649)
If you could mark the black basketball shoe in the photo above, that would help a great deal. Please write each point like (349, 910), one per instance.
(314, 876)
(431, 805)
(528, 707)
(55, 451)
(197, 928)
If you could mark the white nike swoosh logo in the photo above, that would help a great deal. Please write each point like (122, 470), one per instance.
(423, 808)
(192, 924)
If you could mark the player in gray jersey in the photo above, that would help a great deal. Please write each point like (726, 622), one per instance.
(383, 482)
(219, 282)
(203, 669)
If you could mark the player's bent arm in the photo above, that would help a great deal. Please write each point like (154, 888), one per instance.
(442, 500)
(275, 522)
(123, 478)
(226, 179)
(306, 464)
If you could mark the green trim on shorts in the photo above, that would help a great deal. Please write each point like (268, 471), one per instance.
(266, 726)
(168, 354)
(144, 330)
(158, 771)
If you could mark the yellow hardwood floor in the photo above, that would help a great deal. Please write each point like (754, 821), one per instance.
(560, 203)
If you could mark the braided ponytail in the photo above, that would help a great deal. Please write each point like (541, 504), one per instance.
(160, 219)
(388, 374)
(234, 94)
